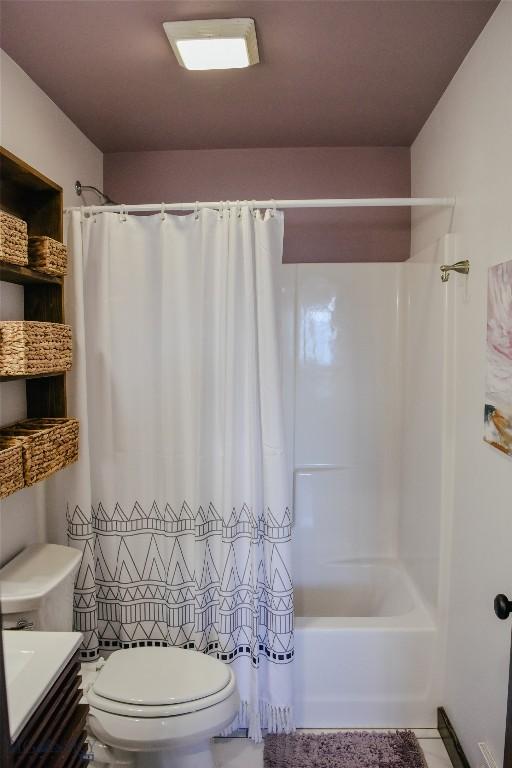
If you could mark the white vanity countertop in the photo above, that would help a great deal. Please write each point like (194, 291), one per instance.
(33, 662)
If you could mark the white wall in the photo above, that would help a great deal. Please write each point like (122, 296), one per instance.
(346, 367)
(35, 129)
(465, 149)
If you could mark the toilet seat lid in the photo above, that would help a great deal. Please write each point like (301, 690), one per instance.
(160, 676)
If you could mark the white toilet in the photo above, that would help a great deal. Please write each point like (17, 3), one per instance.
(164, 703)
(155, 707)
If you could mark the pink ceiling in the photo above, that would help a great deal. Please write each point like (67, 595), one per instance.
(331, 73)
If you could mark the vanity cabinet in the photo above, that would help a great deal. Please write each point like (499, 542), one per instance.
(55, 735)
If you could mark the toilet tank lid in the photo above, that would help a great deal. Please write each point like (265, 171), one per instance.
(34, 573)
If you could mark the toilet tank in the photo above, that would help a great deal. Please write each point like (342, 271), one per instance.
(36, 588)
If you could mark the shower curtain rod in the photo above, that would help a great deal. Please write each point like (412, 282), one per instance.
(362, 202)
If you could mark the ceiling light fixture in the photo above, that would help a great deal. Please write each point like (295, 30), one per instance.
(213, 43)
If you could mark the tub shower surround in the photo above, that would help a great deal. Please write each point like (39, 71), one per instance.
(498, 398)
(181, 502)
(365, 641)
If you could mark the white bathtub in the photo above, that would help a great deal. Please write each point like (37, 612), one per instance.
(365, 648)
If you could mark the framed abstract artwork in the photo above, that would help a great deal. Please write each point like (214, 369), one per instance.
(498, 394)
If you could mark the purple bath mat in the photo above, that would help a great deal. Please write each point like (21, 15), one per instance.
(355, 749)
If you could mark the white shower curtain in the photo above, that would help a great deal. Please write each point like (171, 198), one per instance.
(180, 499)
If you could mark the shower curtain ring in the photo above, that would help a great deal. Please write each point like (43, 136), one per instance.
(122, 215)
(162, 212)
(273, 210)
(196, 211)
(238, 209)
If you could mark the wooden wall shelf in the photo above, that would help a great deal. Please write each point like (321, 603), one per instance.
(33, 197)
(13, 273)
(33, 376)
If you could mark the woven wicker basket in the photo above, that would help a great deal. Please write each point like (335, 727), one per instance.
(13, 239)
(47, 255)
(30, 348)
(11, 466)
(48, 445)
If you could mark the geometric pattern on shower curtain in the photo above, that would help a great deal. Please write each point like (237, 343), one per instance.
(221, 588)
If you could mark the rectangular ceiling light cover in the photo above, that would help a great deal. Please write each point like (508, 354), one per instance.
(213, 43)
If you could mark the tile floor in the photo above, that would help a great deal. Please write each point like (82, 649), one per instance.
(242, 753)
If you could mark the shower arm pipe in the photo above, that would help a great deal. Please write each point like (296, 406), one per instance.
(361, 202)
(79, 188)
